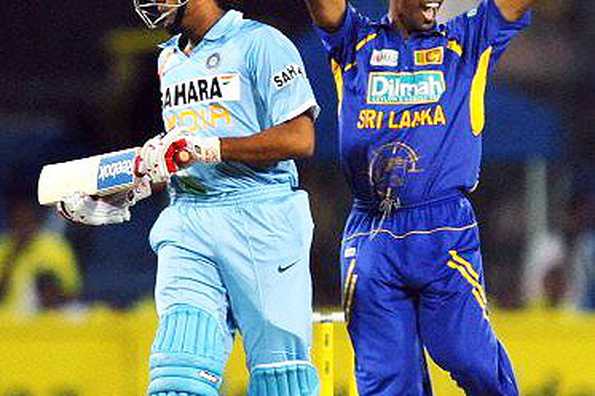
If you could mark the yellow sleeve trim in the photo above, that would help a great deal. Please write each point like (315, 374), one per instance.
(349, 67)
(338, 71)
(338, 75)
(365, 41)
(478, 88)
(454, 46)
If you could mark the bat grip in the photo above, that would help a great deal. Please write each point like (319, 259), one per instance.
(183, 158)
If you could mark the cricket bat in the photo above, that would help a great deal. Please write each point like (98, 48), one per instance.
(99, 175)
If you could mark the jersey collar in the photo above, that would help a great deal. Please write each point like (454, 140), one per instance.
(170, 42)
(438, 29)
(226, 24)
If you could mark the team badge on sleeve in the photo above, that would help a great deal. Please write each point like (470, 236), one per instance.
(288, 75)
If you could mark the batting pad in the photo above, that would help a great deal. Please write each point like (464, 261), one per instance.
(188, 354)
(173, 394)
(284, 379)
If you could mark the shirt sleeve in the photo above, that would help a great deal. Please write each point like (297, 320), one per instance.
(341, 44)
(484, 29)
(279, 76)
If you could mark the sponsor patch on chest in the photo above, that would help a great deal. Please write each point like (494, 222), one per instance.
(216, 88)
(405, 87)
(384, 57)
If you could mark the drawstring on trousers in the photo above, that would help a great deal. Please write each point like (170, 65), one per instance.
(386, 207)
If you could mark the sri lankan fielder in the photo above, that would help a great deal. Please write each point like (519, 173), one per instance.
(233, 245)
(411, 116)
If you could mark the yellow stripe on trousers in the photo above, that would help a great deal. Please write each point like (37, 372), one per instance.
(477, 289)
(349, 290)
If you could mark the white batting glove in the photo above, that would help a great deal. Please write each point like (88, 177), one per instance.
(161, 156)
(111, 209)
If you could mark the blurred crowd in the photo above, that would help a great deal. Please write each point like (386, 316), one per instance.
(82, 92)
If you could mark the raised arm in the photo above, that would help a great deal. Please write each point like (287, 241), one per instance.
(327, 14)
(512, 10)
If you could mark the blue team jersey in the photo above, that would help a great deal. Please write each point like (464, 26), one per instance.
(411, 112)
(242, 78)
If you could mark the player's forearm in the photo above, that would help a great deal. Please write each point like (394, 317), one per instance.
(328, 14)
(513, 10)
(290, 140)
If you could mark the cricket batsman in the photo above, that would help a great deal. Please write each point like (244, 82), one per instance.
(233, 245)
(411, 117)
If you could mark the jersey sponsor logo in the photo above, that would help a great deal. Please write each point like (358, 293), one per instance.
(218, 88)
(287, 76)
(384, 57)
(432, 56)
(372, 119)
(196, 119)
(115, 170)
(389, 88)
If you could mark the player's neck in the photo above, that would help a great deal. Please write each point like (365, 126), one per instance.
(202, 19)
(395, 21)
(399, 26)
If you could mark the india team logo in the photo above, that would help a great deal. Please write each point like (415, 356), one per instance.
(406, 87)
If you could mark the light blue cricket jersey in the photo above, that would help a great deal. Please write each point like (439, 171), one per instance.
(242, 78)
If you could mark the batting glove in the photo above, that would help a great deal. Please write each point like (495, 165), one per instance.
(161, 156)
(112, 209)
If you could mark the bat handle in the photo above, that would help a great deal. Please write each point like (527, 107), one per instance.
(183, 158)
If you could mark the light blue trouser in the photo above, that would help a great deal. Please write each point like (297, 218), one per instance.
(239, 263)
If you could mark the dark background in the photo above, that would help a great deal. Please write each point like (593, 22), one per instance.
(78, 78)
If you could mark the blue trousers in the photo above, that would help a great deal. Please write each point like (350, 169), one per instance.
(414, 279)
